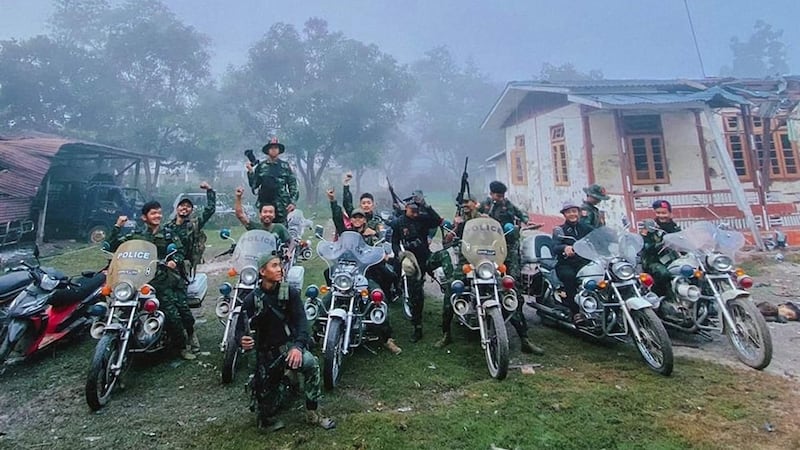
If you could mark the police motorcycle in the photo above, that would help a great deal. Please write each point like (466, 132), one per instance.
(133, 323)
(340, 321)
(711, 295)
(609, 293)
(479, 302)
(47, 308)
(244, 261)
(299, 249)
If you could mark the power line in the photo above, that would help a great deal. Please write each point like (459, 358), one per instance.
(694, 37)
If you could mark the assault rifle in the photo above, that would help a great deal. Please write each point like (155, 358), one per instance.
(463, 190)
(252, 158)
(396, 200)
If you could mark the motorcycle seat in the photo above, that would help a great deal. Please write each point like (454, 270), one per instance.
(14, 281)
(73, 294)
(548, 263)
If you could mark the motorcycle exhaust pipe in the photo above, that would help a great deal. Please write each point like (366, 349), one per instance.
(97, 330)
(688, 291)
(378, 314)
(510, 302)
(223, 308)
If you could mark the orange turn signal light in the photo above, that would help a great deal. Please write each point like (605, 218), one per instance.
(602, 284)
(364, 293)
(106, 291)
(146, 289)
(231, 272)
(502, 269)
(698, 273)
(740, 272)
(467, 268)
(324, 289)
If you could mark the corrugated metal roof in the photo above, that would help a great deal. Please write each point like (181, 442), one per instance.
(715, 97)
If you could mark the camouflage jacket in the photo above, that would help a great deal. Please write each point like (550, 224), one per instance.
(161, 238)
(189, 230)
(652, 251)
(374, 221)
(338, 223)
(592, 216)
(276, 184)
(504, 212)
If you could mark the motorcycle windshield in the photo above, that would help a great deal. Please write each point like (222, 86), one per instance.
(483, 240)
(135, 261)
(297, 223)
(700, 236)
(251, 246)
(350, 247)
(728, 242)
(605, 243)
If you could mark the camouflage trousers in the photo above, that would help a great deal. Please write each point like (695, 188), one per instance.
(513, 268)
(661, 277)
(269, 390)
(178, 319)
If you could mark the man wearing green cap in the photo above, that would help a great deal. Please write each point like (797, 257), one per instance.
(275, 313)
(274, 180)
(590, 214)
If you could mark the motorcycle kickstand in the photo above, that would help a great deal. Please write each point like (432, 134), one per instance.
(374, 352)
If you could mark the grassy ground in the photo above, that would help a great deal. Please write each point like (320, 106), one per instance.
(582, 395)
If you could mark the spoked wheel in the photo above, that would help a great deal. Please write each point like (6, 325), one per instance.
(231, 355)
(655, 345)
(751, 338)
(334, 346)
(101, 380)
(497, 344)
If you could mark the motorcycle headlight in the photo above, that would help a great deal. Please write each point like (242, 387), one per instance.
(343, 282)
(123, 291)
(623, 270)
(48, 283)
(720, 262)
(486, 270)
(249, 275)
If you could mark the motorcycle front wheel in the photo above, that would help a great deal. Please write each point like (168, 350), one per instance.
(334, 346)
(655, 345)
(101, 380)
(497, 344)
(751, 338)
(231, 355)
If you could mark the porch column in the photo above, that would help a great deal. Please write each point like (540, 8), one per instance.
(625, 169)
(43, 213)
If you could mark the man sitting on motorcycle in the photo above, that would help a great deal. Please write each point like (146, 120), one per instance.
(652, 252)
(266, 215)
(379, 275)
(569, 263)
(499, 208)
(366, 203)
(441, 258)
(179, 322)
(275, 313)
(412, 229)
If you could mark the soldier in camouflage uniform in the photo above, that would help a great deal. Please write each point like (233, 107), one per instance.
(167, 281)
(652, 252)
(590, 214)
(275, 313)
(442, 259)
(266, 215)
(366, 202)
(188, 230)
(274, 180)
(502, 210)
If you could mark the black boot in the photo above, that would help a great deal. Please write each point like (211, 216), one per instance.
(417, 336)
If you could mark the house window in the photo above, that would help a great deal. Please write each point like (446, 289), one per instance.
(645, 142)
(558, 147)
(518, 165)
(783, 154)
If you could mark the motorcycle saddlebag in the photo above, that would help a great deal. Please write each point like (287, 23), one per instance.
(197, 289)
(536, 247)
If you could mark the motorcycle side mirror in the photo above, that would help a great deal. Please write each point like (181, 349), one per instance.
(225, 233)
(318, 230)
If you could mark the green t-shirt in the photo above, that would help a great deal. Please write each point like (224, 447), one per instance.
(278, 229)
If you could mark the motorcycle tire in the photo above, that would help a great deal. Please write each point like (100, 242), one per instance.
(333, 353)
(751, 340)
(100, 381)
(497, 345)
(231, 355)
(656, 346)
(5, 347)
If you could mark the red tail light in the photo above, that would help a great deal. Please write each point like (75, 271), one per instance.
(377, 296)
(507, 283)
(745, 282)
(646, 279)
(150, 306)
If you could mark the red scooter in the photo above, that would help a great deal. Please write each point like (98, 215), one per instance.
(51, 307)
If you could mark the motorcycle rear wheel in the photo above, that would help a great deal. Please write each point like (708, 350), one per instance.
(497, 347)
(231, 355)
(656, 346)
(333, 353)
(751, 340)
(100, 381)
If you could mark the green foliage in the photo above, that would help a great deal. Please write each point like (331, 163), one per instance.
(763, 54)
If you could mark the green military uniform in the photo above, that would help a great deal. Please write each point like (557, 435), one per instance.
(189, 230)
(167, 282)
(374, 221)
(276, 184)
(275, 228)
(652, 255)
(506, 212)
(592, 216)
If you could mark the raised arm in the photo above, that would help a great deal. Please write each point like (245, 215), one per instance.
(238, 209)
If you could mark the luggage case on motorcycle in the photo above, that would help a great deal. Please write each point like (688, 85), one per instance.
(197, 289)
(535, 247)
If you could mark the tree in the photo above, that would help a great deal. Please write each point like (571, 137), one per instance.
(326, 96)
(763, 54)
(567, 72)
(446, 114)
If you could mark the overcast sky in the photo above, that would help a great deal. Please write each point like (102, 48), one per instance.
(509, 39)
